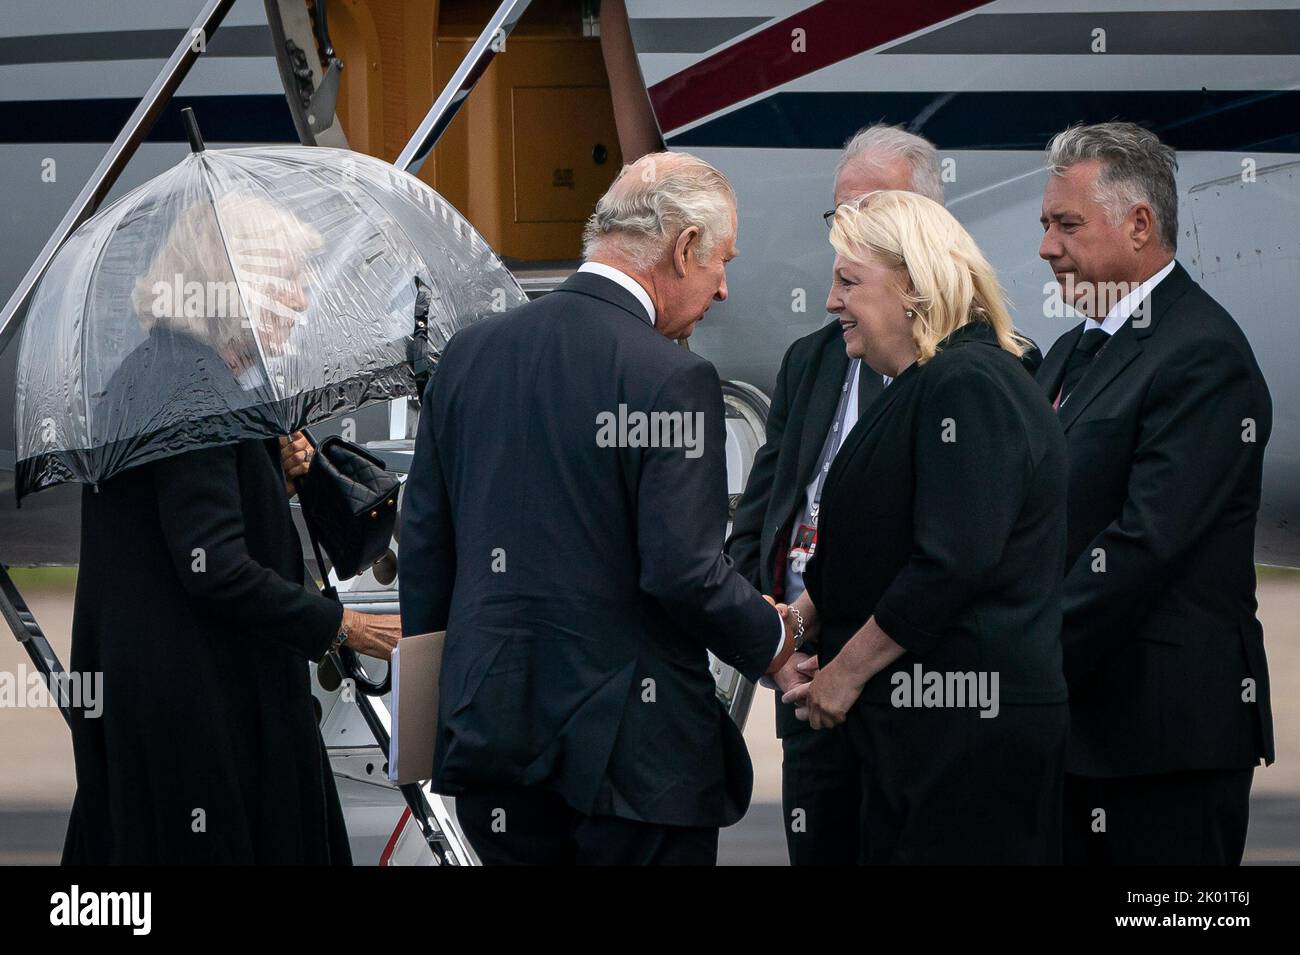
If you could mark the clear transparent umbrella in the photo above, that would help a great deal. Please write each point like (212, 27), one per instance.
(243, 293)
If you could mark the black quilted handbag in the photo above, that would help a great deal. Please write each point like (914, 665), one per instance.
(349, 502)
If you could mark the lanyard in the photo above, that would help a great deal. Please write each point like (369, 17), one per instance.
(832, 444)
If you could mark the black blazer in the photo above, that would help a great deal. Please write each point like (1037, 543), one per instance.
(803, 407)
(191, 602)
(1166, 437)
(943, 516)
(579, 585)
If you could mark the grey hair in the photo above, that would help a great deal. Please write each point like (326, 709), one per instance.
(876, 145)
(1136, 167)
(653, 201)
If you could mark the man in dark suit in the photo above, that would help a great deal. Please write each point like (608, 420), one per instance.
(562, 523)
(820, 778)
(1166, 415)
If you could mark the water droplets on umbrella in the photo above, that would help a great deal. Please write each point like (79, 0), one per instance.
(242, 293)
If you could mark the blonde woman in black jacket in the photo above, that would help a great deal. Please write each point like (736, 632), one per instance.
(935, 587)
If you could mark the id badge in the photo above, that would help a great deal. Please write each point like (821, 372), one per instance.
(805, 545)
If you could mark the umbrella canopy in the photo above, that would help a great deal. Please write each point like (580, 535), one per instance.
(243, 293)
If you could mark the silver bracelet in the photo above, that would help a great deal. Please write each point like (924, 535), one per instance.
(798, 625)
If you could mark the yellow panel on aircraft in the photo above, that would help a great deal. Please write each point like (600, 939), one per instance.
(534, 145)
(565, 146)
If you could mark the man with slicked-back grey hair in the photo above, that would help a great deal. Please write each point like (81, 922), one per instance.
(1166, 416)
(561, 522)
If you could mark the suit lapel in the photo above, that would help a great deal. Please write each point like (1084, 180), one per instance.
(870, 384)
(884, 398)
(1053, 368)
(1113, 358)
(1124, 346)
(970, 334)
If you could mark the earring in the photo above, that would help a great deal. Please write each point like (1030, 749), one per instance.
(909, 313)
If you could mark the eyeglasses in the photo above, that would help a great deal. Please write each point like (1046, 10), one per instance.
(860, 202)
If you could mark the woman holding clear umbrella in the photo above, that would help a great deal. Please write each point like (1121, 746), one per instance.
(191, 599)
(176, 338)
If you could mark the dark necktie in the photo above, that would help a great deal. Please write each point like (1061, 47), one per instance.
(1085, 350)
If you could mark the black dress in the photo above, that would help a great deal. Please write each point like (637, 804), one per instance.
(943, 515)
(191, 603)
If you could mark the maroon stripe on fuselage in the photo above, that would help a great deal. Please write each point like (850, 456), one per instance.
(834, 30)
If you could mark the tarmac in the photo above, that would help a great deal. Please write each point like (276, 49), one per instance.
(37, 781)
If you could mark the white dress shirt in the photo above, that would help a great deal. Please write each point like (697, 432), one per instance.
(1126, 306)
(625, 280)
(632, 285)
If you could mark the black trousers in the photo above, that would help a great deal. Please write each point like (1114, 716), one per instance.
(525, 826)
(821, 794)
(1187, 818)
(945, 786)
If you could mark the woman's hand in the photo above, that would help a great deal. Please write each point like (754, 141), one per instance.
(827, 699)
(296, 453)
(372, 635)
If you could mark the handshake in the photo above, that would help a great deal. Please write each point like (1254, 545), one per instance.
(800, 668)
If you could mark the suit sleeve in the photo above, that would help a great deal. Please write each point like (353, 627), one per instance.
(427, 558)
(681, 517)
(745, 545)
(1189, 457)
(203, 529)
(972, 467)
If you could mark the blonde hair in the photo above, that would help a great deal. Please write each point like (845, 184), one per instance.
(215, 250)
(952, 284)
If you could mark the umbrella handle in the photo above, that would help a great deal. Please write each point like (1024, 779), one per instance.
(354, 671)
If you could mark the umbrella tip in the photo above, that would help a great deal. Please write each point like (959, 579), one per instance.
(192, 130)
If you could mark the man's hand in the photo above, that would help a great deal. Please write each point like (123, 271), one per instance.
(787, 618)
(793, 673)
(296, 453)
(787, 642)
(798, 671)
